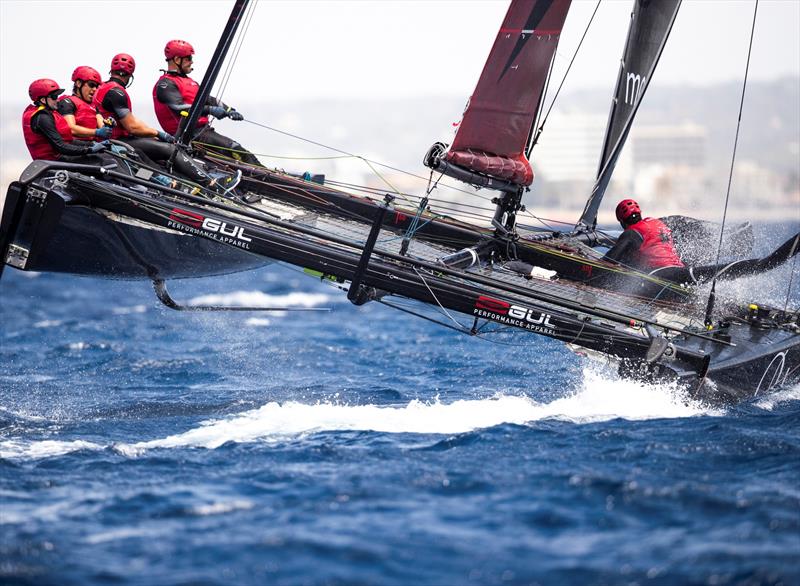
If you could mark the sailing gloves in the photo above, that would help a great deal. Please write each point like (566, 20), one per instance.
(165, 137)
(217, 112)
(104, 132)
(220, 112)
(99, 146)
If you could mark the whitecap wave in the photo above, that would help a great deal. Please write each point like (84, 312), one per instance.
(598, 399)
(257, 322)
(17, 449)
(129, 310)
(221, 508)
(48, 323)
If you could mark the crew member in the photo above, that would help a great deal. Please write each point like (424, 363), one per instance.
(174, 94)
(112, 101)
(77, 109)
(46, 133)
(645, 244)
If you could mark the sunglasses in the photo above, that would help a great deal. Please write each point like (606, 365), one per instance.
(54, 95)
(93, 84)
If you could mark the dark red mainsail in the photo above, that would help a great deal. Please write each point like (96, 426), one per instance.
(497, 123)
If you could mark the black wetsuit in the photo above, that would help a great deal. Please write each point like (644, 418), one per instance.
(625, 249)
(66, 107)
(116, 102)
(70, 152)
(167, 92)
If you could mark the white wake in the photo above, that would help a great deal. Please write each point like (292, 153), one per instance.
(599, 398)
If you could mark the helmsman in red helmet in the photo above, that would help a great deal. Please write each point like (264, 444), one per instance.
(47, 134)
(77, 109)
(175, 92)
(646, 244)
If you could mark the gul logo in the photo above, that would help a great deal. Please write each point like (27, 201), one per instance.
(210, 224)
(494, 305)
(188, 218)
(503, 308)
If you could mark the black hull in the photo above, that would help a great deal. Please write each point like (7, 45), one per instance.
(67, 235)
(88, 243)
(762, 361)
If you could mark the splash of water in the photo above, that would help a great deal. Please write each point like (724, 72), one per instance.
(260, 299)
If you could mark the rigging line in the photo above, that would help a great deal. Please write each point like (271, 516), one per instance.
(223, 79)
(251, 8)
(532, 131)
(354, 186)
(541, 219)
(385, 180)
(453, 187)
(555, 97)
(789, 288)
(242, 151)
(373, 191)
(712, 294)
(477, 334)
(342, 212)
(460, 330)
(423, 204)
(424, 282)
(454, 205)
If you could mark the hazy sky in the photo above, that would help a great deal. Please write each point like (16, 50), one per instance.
(370, 49)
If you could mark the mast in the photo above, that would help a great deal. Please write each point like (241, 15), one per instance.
(188, 125)
(651, 23)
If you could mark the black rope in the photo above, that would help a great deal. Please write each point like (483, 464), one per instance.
(712, 294)
(237, 47)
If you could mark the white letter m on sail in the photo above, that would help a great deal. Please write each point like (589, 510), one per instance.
(633, 87)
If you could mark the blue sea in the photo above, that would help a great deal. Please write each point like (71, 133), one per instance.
(360, 445)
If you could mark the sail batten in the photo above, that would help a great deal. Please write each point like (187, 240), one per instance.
(651, 23)
(496, 126)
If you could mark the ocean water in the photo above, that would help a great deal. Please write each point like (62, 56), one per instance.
(140, 445)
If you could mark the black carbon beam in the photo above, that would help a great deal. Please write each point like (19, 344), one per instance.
(357, 294)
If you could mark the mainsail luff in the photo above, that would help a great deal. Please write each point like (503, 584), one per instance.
(497, 122)
(651, 23)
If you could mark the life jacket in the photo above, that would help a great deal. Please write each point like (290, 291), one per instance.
(168, 118)
(658, 248)
(37, 143)
(85, 113)
(97, 102)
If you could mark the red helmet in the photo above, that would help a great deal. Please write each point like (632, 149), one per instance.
(43, 87)
(123, 62)
(86, 73)
(178, 48)
(626, 208)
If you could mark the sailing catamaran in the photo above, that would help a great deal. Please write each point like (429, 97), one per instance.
(111, 221)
